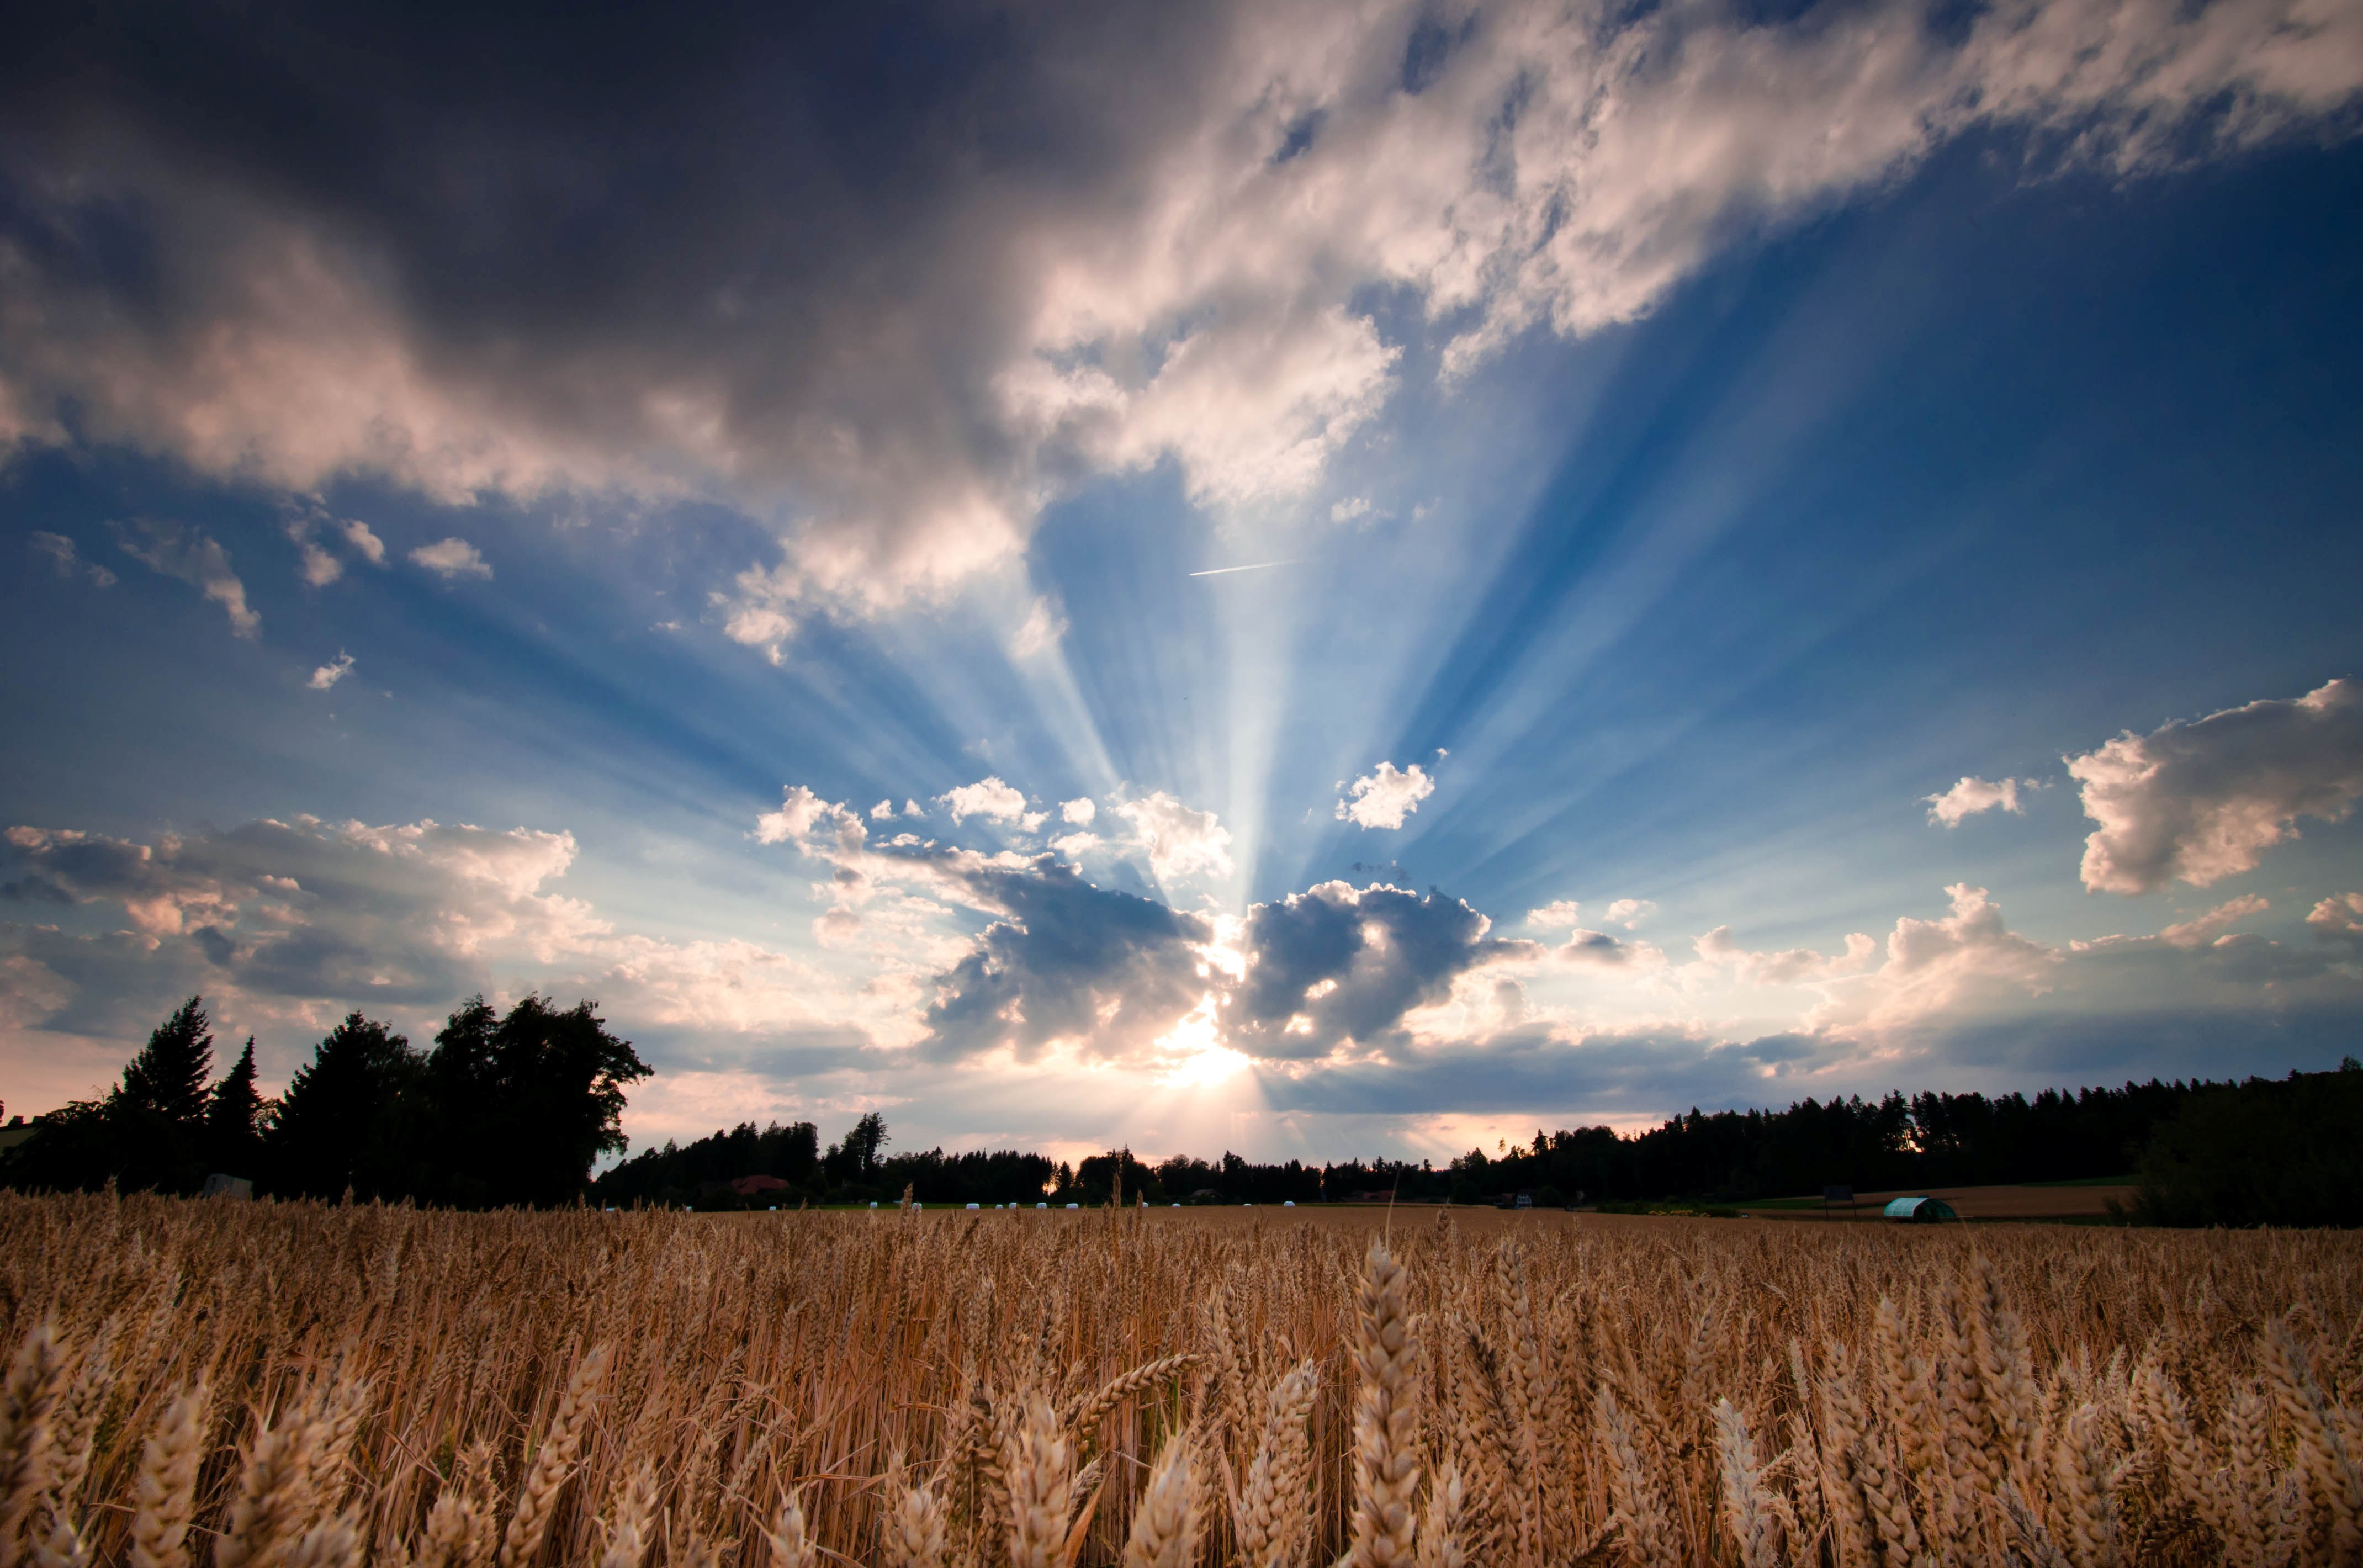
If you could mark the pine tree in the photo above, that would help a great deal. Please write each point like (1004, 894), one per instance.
(168, 1077)
(233, 1120)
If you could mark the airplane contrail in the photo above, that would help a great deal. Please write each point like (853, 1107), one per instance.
(1221, 571)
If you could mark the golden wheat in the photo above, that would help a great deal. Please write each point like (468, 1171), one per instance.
(249, 1384)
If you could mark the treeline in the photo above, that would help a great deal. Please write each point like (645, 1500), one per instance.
(2264, 1151)
(504, 1109)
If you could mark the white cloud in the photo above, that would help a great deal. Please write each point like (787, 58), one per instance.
(2214, 923)
(1599, 951)
(1933, 964)
(1793, 966)
(316, 566)
(364, 542)
(1630, 912)
(1347, 510)
(1043, 626)
(1079, 812)
(1972, 796)
(327, 676)
(452, 558)
(1385, 799)
(1177, 840)
(1560, 913)
(2204, 800)
(883, 812)
(988, 797)
(195, 559)
(1075, 846)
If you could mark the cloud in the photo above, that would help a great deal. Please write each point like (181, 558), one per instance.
(1068, 963)
(364, 542)
(1630, 912)
(2207, 927)
(2340, 920)
(1079, 812)
(1385, 799)
(327, 676)
(953, 317)
(1560, 913)
(1177, 840)
(1972, 796)
(2204, 800)
(1043, 626)
(195, 559)
(63, 555)
(1793, 966)
(988, 797)
(303, 909)
(1933, 964)
(452, 558)
(1335, 964)
(1600, 950)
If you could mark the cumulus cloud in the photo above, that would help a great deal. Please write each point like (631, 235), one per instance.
(327, 676)
(1630, 912)
(1560, 913)
(309, 523)
(363, 540)
(2204, 800)
(1336, 964)
(1079, 812)
(1177, 840)
(2340, 920)
(452, 558)
(1385, 799)
(988, 797)
(1972, 796)
(906, 336)
(1600, 950)
(60, 554)
(194, 557)
(1933, 964)
(1068, 963)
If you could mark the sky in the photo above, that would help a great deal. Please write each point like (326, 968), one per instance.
(1306, 579)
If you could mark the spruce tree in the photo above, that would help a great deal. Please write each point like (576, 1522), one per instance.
(168, 1077)
(233, 1120)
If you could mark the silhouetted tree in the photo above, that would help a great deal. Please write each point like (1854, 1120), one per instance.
(234, 1119)
(343, 1119)
(168, 1075)
(516, 1107)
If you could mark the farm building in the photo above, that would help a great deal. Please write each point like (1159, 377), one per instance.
(1920, 1210)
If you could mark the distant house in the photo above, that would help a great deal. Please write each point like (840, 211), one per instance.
(754, 1186)
(1920, 1210)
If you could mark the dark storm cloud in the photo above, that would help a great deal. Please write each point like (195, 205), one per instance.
(1336, 964)
(1066, 961)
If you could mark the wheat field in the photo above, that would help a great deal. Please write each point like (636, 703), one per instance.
(251, 1385)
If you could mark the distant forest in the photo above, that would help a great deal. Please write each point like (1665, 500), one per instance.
(518, 1108)
(2282, 1151)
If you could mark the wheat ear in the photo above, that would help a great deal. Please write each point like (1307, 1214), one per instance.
(1439, 1523)
(459, 1531)
(34, 1380)
(1274, 1513)
(276, 1495)
(791, 1547)
(628, 1525)
(1749, 1517)
(912, 1536)
(1041, 1487)
(2082, 1491)
(165, 1493)
(2328, 1467)
(1386, 1418)
(552, 1463)
(1165, 1525)
(1636, 1516)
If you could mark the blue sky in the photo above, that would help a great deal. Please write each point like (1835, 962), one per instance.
(1851, 517)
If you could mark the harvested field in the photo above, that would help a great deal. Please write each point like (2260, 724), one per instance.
(244, 1384)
